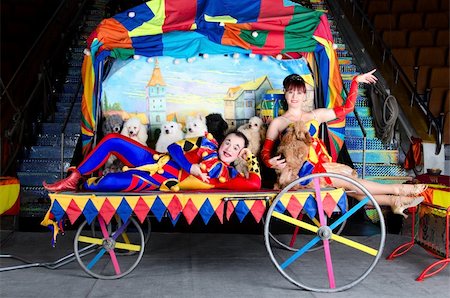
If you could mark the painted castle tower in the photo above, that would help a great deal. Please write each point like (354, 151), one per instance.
(156, 99)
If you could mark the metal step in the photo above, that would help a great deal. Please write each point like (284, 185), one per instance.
(356, 132)
(55, 140)
(49, 152)
(36, 165)
(381, 170)
(355, 143)
(36, 178)
(352, 122)
(363, 111)
(55, 128)
(375, 156)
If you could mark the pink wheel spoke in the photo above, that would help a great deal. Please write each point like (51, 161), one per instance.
(102, 223)
(112, 254)
(326, 244)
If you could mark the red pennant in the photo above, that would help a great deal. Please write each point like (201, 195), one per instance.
(73, 211)
(107, 211)
(328, 204)
(230, 209)
(174, 207)
(190, 211)
(141, 209)
(219, 211)
(294, 207)
(258, 210)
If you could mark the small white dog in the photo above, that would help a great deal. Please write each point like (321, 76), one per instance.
(195, 127)
(255, 131)
(134, 129)
(171, 132)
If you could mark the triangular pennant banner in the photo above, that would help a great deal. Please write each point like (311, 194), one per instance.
(89, 211)
(329, 204)
(190, 211)
(230, 209)
(158, 208)
(57, 211)
(220, 211)
(107, 211)
(124, 210)
(258, 209)
(241, 210)
(206, 211)
(174, 207)
(294, 207)
(141, 209)
(310, 206)
(73, 212)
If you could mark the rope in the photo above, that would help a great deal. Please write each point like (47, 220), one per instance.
(385, 117)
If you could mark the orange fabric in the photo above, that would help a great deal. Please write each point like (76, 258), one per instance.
(414, 155)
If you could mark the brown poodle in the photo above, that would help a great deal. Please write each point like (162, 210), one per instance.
(294, 147)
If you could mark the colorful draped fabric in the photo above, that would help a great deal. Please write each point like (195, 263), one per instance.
(185, 28)
(205, 204)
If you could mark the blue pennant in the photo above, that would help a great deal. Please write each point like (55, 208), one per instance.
(279, 207)
(342, 203)
(310, 206)
(90, 212)
(158, 208)
(57, 211)
(124, 210)
(206, 211)
(241, 210)
(175, 220)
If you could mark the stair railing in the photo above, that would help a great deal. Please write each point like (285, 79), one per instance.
(435, 123)
(40, 98)
(63, 128)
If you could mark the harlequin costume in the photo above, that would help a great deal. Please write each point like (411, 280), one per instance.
(145, 169)
(318, 154)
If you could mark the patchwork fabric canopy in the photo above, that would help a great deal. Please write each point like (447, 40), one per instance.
(205, 204)
(185, 28)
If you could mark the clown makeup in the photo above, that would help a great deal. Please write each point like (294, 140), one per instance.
(230, 148)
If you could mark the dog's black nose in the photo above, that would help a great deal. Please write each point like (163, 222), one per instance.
(167, 131)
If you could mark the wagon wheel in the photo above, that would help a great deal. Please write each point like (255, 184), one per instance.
(146, 230)
(290, 241)
(113, 244)
(327, 263)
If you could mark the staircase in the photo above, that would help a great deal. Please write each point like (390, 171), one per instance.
(42, 161)
(381, 161)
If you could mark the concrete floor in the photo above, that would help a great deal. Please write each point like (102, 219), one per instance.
(208, 265)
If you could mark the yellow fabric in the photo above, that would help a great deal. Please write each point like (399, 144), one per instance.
(9, 193)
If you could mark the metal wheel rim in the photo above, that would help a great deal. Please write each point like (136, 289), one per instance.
(275, 262)
(109, 277)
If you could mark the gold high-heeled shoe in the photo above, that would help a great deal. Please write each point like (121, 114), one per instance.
(401, 204)
(416, 191)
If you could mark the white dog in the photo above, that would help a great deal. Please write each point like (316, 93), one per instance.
(134, 129)
(195, 126)
(255, 131)
(171, 132)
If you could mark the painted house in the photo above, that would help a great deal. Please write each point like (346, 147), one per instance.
(241, 101)
(156, 99)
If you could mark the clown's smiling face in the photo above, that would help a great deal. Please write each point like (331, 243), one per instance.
(230, 148)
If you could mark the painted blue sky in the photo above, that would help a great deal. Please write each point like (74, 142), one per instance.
(197, 87)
